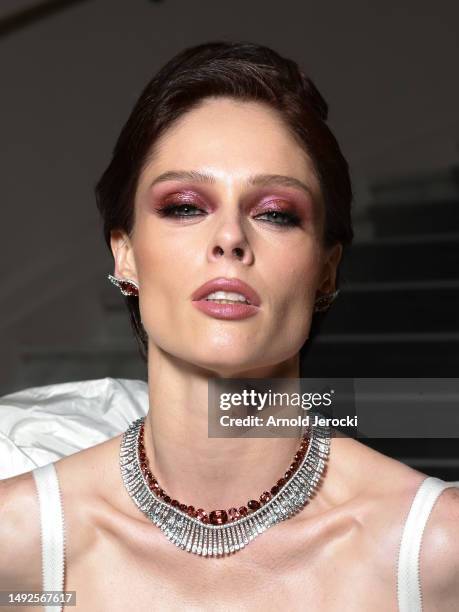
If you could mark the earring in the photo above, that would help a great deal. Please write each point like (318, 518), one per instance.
(128, 287)
(324, 301)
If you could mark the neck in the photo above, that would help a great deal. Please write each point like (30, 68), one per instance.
(208, 473)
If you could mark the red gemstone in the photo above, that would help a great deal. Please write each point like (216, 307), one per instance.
(253, 504)
(191, 511)
(233, 514)
(167, 499)
(218, 517)
(287, 474)
(281, 481)
(275, 489)
(265, 497)
(243, 511)
(175, 502)
(183, 507)
(201, 515)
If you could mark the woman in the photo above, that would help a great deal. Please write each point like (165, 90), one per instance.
(227, 169)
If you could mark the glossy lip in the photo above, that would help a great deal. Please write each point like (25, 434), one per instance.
(227, 284)
(226, 311)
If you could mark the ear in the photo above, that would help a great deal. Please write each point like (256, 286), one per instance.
(330, 268)
(123, 255)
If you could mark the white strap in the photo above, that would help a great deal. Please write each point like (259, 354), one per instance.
(408, 576)
(52, 530)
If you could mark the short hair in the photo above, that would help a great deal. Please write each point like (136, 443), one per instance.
(244, 71)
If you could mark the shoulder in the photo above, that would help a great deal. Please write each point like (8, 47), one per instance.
(379, 491)
(439, 558)
(20, 537)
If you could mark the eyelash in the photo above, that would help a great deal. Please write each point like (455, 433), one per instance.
(291, 220)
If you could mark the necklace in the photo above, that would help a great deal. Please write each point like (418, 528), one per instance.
(220, 532)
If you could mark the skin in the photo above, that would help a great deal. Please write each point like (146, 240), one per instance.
(340, 551)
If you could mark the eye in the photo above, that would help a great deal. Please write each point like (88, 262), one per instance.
(174, 210)
(180, 211)
(287, 219)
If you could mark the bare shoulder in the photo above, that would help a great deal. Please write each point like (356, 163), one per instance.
(20, 537)
(365, 474)
(383, 490)
(86, 482)
(377, 490)
(439, 559)
(90, 485)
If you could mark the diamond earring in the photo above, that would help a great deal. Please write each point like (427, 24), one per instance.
(324, 301)
(127, 287)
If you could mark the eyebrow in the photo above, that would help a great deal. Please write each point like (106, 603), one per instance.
(259, 180)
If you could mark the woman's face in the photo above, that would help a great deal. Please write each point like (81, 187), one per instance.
(265, 232)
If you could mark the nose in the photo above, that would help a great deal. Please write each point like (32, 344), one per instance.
(230, 241)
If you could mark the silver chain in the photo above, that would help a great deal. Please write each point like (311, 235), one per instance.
(189, 533)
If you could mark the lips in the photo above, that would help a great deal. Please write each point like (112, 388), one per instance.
(227, 284)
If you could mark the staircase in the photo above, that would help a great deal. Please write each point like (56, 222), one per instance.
(398, 311)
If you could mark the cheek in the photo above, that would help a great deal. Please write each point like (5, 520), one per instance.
(297, 277)
(162, 276)
(160, 260)
(152, 252)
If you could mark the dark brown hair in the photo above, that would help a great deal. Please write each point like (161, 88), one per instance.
(241, 70)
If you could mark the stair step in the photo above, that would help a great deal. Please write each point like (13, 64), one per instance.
(439, 184)
(360, 357)
(434, 456)
(402, 260)
(405, 218)
(388, 337)
(402, 308)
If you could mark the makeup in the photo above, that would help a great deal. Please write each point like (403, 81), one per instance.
(226, 311)
(235, 311)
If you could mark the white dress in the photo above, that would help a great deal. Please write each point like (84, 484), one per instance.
(40, 425)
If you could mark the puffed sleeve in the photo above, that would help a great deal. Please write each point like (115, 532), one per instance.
(39, 425)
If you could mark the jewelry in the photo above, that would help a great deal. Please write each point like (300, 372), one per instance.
(216, 517)
(324, 301)
(127, 286)
(222, 534)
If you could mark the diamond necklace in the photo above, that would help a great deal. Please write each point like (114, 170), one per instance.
(187, 529)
